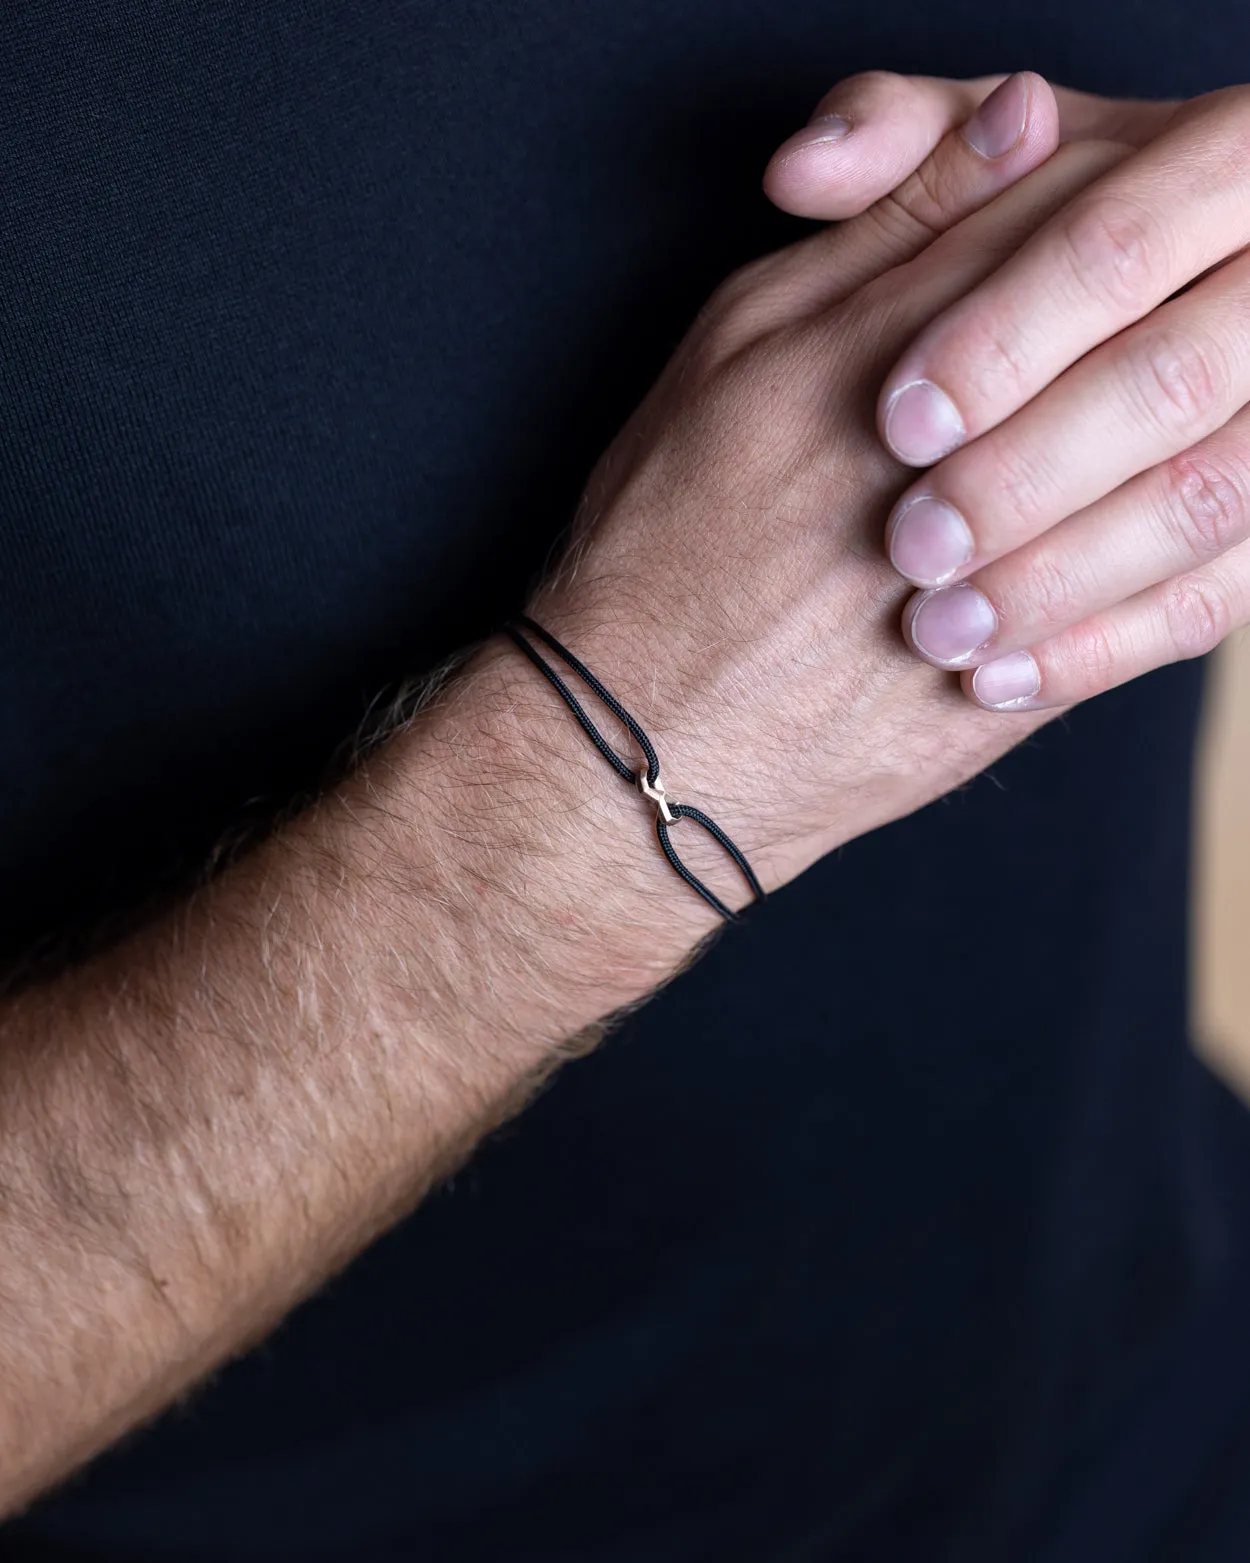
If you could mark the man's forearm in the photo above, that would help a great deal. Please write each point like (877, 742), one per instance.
(200, 1125)
(197, 1127)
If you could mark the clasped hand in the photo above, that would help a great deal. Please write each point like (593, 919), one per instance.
(727, 576)
(1081, 413)
(1037, 298)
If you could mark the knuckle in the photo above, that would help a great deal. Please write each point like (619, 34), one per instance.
(1021, 478)
(874, 83)
(737, 290)
(1114, 250)
(1179, 379)
(737, 311)
(998, 365)
(1207, 500)
(1227, 110)
(1094, 656)
(862, 93)
(902, 228)
(929, 196)
(871, 323)
(1196, 616)
(716, 318)
(1052, 594)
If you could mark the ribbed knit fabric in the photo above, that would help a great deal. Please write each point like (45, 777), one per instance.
(903, 1227)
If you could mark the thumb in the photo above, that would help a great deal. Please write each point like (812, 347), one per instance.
(1013, 132)
(866, 136)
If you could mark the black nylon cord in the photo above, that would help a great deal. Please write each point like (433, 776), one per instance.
(651, 774)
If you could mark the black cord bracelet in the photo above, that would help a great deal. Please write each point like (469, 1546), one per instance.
(647, 776)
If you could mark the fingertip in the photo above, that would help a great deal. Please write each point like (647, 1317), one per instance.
(910, 609)
(1017, 125)
(917, 421)
(868, 132)
(928, 541)
(811, 174)
(1041, 122)
(1010, 683)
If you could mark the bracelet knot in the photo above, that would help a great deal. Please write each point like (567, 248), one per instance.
(519, 631)
(655, 791)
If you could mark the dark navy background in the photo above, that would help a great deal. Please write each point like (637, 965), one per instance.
(901, 1228)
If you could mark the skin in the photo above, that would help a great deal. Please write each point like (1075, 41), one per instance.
(204, 1122)
(1085, 512)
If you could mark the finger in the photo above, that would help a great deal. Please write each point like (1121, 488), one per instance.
(1186, 617)
(1164, 524)
(1133, 121)
(913, 293)
(968, 169)
(1145, 396)
(867, 135)
(955, 182)
(1122, 247)
(872, 131)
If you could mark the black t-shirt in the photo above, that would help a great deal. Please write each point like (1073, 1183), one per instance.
(902, 1227)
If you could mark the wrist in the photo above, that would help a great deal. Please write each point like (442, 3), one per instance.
(554, 906)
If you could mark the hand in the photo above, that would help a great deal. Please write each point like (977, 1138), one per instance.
(1093, 523)
(726, 579)
(206, 1119)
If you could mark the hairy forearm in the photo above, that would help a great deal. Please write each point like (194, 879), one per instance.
(200, 1125)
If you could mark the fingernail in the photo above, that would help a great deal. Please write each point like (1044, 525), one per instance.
(949, 625)
(1007, 681)
(999, 123)
(929, 540)
(921, 424)
(829, 127)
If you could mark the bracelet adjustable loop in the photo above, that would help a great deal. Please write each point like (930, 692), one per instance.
(647, 778)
